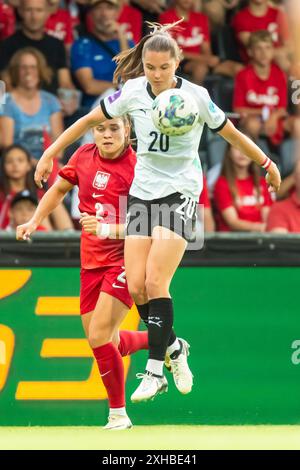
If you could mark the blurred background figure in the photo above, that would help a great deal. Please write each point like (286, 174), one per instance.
(30, 111)
(241, 195)
(7, 20)
(22, 208)
(16, 175)
(59, 23)
(193, 37)
(92, 54)
(32, 33)
(284, 215)
(260, 15)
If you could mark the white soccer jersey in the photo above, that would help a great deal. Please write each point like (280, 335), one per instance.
(165, 165)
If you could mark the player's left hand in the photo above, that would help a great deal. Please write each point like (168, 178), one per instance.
(89, 223)
(273, 178)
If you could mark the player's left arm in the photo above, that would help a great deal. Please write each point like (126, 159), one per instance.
(239, 140)
(91, 224)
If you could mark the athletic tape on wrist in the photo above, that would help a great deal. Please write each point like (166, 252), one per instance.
(103, 230)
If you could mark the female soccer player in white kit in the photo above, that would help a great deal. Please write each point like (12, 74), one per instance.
(167, 175)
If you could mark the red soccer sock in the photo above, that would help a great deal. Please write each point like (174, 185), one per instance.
(111, 369)
(132, 341)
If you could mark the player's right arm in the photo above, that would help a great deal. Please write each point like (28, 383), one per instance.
(91, 224)
(51, 199)
(70, 135)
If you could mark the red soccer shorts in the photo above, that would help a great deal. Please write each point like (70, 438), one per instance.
(109, 279)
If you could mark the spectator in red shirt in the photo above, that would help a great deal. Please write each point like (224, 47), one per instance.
(129, 17)
(259, 15)
(59, 23)
(284, 216)
(241, 195)
(7, 21)
(193, 37)
(260, 93)
(216, 10)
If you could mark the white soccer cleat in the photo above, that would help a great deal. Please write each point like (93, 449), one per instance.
(149, 387)
(118, 423)
(183, 377)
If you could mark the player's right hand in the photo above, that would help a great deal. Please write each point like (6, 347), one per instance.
(24, 231)
(89, 223)
(273, 178)
(43, 170)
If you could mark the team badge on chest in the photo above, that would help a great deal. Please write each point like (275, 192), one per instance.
(101, 180)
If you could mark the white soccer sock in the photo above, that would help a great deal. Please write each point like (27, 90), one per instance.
(173, 347)
(154, 366)
(117, 411)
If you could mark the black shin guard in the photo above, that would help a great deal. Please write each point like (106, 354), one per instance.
(160, 322)
(144, 313)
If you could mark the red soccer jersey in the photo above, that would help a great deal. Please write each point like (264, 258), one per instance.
(285, 214)
(7, 21)
(275, 21)
(191, 33)
(101, 184)
(59, 25)
(130, 18)
(250, 91)
(246, 204)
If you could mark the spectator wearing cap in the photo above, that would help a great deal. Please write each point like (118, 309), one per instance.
(22, 209)
(284, 216)
(91, 55)
(34, 14)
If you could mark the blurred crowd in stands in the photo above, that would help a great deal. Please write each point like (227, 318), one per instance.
(56, 62)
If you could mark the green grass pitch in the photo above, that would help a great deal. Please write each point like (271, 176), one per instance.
(152, 437)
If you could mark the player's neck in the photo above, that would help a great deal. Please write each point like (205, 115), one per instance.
(183, 12)
(111, 155)
(262, 71)
(258, 10)
(157, 91)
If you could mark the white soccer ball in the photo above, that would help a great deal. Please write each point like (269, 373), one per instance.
(174, 112)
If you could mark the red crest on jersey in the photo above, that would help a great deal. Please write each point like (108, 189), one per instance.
(101, 180)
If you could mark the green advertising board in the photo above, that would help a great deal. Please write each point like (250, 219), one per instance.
(243, 325)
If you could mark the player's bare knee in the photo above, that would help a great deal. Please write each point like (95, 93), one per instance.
(99, 336)
(137, 291)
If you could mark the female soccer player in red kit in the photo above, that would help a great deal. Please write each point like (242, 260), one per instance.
(103, 171)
